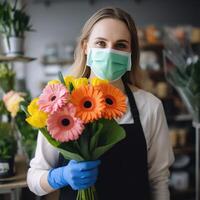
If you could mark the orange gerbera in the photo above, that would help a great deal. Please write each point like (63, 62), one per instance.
(115, 101)
(89, 103)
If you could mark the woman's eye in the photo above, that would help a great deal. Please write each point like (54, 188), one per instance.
(121, 46)
(100, 44)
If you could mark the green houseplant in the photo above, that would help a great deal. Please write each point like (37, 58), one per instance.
(13, 128)
(14, 22)
(11, 113)
(8, 149)
(7, 77)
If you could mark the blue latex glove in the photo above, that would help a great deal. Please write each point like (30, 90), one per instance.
(79, 175)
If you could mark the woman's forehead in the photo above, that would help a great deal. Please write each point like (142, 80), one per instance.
(111, 29)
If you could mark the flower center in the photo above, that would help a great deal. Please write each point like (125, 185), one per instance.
(109, 101)
(87, 104)
(53, 98)
(65, 122)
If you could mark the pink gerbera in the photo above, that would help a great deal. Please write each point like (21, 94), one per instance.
(53, 97)
(64, 126)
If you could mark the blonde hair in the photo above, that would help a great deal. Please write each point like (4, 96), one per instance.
(79, 64)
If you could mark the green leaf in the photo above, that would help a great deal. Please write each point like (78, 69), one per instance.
(8, 143)
(110, 134)
(96, 131)
(195, 73)
(49, 138)
(61, 78)
(193, 86)
(23, 107)
(67, 149)
(188, 98)
(70, 155)
(71, 87)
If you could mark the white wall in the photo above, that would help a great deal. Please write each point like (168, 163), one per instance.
(62, 22)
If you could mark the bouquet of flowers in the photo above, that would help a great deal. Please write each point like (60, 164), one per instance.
(77, 116)
(182, 69)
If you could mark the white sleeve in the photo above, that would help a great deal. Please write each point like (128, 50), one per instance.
(46, 157)
(160, 155)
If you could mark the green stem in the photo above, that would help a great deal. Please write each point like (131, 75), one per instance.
(87, 194)
(91, 194)
(77, 197)
(84, 195)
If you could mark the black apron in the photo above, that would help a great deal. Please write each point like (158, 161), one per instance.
(123, 172)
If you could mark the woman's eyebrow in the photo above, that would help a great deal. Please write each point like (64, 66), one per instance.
(120, 40)
(100, 38)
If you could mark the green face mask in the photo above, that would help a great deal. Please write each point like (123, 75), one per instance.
(108, 64)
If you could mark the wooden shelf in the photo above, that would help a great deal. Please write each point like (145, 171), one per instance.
(58, 62)
(182, 192)
(182, 117)
(159, 45)
(19, 179)
(184, 150)
(16, 58)
(179, 118)
(149, 46)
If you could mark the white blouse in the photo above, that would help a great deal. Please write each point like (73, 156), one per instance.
(160, 154)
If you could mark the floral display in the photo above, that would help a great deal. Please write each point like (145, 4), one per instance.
(12, 115)
(12, 100)
(182, 69)
(77, 116)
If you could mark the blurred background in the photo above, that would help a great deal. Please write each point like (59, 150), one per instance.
(49, 48)
(58, 24)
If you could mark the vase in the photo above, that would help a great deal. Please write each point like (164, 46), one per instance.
(12, 46)
(6, 167)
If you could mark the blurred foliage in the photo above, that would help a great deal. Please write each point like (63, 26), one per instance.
(2, 109)
(13, 21)
(7, 77)
(28, 133)
(187, 81)
(8, 144)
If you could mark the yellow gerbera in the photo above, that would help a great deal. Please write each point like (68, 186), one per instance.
(89, 103)
(68, 80)
(97, 81)
(79, 82)
(33, 106)
(53, 82)
(37, 118)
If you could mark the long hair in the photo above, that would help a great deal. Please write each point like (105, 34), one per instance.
(79, 65)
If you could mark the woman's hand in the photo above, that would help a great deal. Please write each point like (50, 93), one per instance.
(79, 175)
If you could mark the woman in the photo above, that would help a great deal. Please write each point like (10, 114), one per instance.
(138, 167)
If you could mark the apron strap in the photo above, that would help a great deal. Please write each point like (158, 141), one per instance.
(133, 106)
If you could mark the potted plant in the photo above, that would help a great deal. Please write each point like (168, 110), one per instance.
(8, 142)
(8, 148)
(14, 23)
(10, 111)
